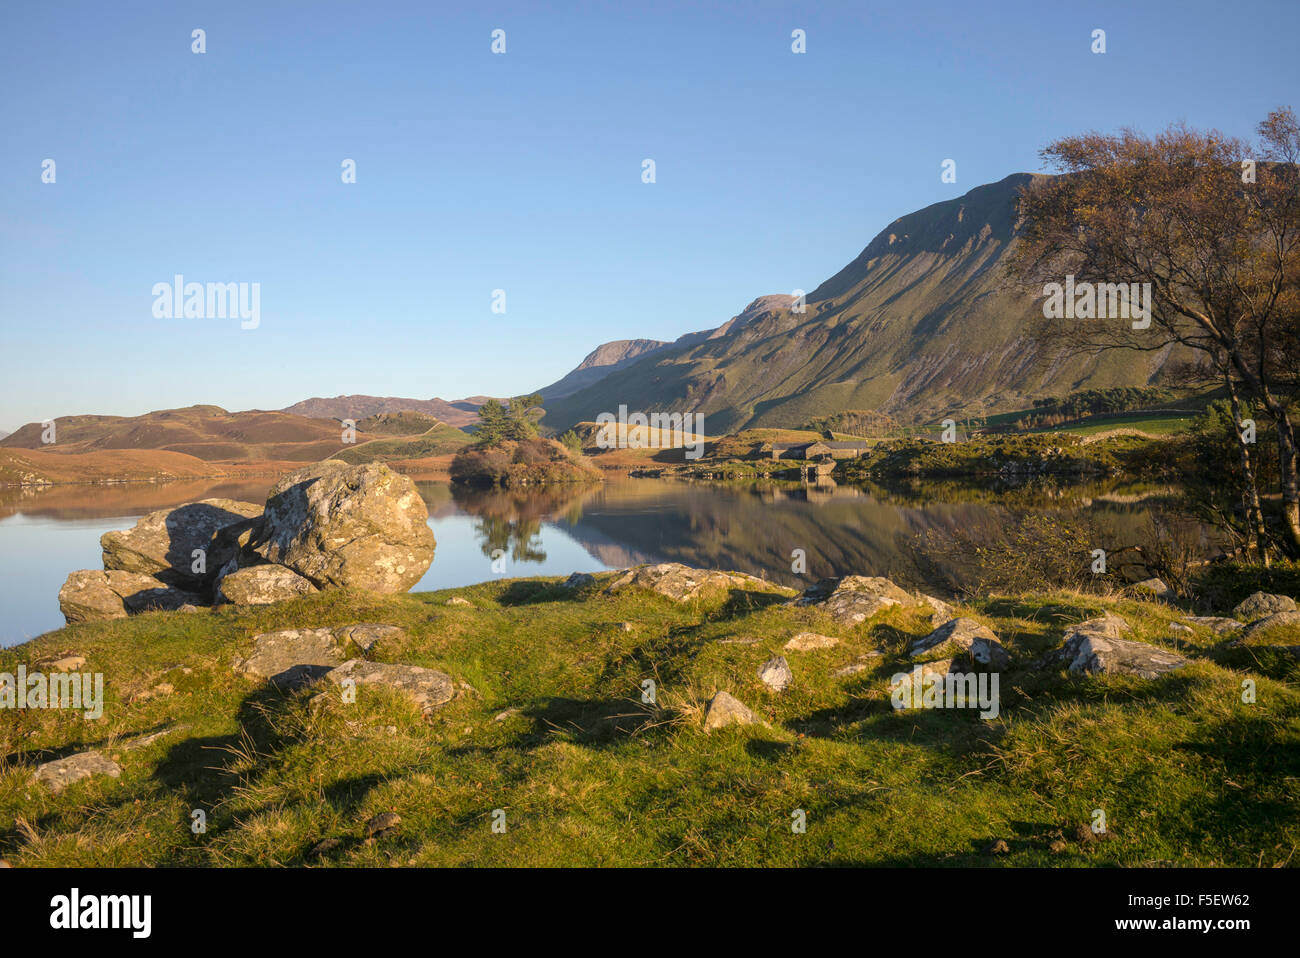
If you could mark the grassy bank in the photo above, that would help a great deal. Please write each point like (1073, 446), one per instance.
(555, 734)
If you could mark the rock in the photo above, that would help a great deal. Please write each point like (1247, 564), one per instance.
(1216, 624)
(428, 688)
(853, 599)
(1057, 846)
(775, 673)
(1290, 621)
(260, 585)
(162, 543)
(63, 662)
(624, 626)
(1179, 627)
(1152, 587)
(1261, 604)
(457, 600)
(684, 584)
(367, 635)
(234, 543)
(579, 580)
(90, 595)
(738, 640)
(62, 772)
(1095, 647)
(144, 741)
(806, 641)
(964, 635)
(725, 709)
(381, 823)
(943, 612)
(998, 846)
(293, 657)
(344, 526)
(911, 687)
(507, 714)
(324, 847)
(853, 668)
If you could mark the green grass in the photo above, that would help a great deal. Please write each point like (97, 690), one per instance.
(588, 775)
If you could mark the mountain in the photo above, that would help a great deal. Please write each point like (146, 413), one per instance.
(600, 362)
(922, 323)
(207, 433)
(459, 412)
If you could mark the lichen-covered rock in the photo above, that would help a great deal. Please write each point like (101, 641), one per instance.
(91, 595)
(367, 635)
(683, 584)
(292, 657)
(725, 709)
(807, 641)
(428, 688)
(775, 673)
(1219, 625)
(163, 543)
(962, 635)
(63, 772)
(1261, 604)
(1095, 647)
(260, 585)
(343, 526)
(854, 599)
(1152, 587)
(1277, 625)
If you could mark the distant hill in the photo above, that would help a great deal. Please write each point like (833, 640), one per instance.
(921, 324)
(460, 412)
(403, 423)
(440, 440)
(204, 432)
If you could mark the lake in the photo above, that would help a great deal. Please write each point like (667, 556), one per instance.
(47, 533)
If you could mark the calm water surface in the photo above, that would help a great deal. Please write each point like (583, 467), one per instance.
(46, 534)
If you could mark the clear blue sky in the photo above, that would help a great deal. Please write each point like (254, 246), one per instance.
(519, 171)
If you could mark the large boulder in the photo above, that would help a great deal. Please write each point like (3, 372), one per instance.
(260, 585)
(1095, 647)
(682, 583)
(91, 595)
(162, 544)
(344, 526)
(1261, 604)
(853, 599)
(962, 635)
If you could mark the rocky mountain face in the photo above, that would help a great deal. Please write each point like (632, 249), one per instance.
(923, 322)
(600, 362)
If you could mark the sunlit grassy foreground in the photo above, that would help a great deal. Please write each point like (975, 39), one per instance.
(1185, 772)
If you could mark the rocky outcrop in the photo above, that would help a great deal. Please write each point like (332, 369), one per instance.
(963, 636)
(854, 599)
(1276, 625)
(683, 584)
(63, 772)
(1219, 625)
(260, 585)
(292, 657)
(90, 595)
(1095, 647)
(343, 526)
(163, 543)
(1261, 604)
(807, 641)
(427, 688)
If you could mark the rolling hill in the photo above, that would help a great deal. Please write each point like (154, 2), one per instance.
(207, 433)
(922, 323)
(459, 412)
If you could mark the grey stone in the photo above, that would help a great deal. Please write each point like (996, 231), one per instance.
(681, 583)
(366, 636)
(1279, 623)
(579, 580)
(292, 657)
(381, 823)
(806, 641)
(725, 709)
(775, 673)
(854, 599)
(63, 772)
(1095, 647)
(1261, 604)
(1154, 586)
(963, 635)
(91, 595)
(261, 585)
(162, 543)
(1219, 625)
(428, 688)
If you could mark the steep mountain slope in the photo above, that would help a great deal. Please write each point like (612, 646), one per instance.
(922, 323)
(600, 362)
(459, 412)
